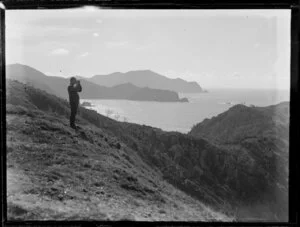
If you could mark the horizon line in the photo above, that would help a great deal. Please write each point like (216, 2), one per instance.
(204, 88)
(134, 70)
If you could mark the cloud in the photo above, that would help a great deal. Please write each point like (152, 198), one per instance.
(257, 45)
(99, 21)
(59, 51)
(19, 30)
(236, 74)
(95, 34)
(116, 44)
(130, 45)
(84, 54)
(149, 46)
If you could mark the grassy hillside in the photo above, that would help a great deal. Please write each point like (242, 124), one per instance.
(225, 178)
(54, 172)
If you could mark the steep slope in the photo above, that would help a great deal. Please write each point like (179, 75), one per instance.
(225, 178)
(58, 86)
(54, 172)
(147, 78)
(262, 135)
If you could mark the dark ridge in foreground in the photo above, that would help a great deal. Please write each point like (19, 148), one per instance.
(228, 179)
(261, 136)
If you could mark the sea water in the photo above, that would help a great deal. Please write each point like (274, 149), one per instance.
(177, 116)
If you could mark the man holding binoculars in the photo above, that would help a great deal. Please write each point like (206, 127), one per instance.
(73, 90)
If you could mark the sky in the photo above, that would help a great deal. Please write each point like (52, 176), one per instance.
(216, 48)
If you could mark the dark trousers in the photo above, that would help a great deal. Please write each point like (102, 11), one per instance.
(74, 107)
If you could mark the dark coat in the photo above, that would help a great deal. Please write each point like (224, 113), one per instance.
(73, 93)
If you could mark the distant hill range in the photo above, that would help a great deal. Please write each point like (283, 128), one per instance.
(58, 86)
(147, 78)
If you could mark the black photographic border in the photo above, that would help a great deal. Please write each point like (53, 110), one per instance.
(294, 5)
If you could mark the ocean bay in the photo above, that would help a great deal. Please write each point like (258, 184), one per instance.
(176, 116)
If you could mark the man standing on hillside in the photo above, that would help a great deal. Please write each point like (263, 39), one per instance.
(73, 90)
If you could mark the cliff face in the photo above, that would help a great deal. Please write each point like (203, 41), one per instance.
(237, 179)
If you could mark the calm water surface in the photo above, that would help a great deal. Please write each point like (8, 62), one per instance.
(181, 117)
